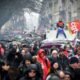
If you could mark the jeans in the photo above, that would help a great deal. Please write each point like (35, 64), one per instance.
(60, 31)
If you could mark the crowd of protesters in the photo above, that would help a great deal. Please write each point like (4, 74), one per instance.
(31, 62)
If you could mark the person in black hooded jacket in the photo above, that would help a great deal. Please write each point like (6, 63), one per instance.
(14, 58)
(39, 67)
(74, 68)
(31, 73)
(23, 66)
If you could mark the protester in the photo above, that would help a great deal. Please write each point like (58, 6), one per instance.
(31, 73)
(63, 60)
(2, 51)
(60, 26)
(74, 68)
(54, 56)
(57, 64)
(44, 61)
(67, 75)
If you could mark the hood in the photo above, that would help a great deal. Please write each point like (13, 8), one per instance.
(27, 57)
(40, 51)
(31, 67)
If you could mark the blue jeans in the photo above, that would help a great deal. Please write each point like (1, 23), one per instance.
(60, 31)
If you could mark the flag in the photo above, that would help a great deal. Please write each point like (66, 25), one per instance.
(73, 26)
(78, 24)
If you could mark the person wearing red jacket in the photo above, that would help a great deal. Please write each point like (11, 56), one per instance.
(1, 51)
(44, 61)
(60, 26)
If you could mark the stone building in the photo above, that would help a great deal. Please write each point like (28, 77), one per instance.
(68, 10)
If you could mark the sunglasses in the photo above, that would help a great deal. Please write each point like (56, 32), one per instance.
(33, 71)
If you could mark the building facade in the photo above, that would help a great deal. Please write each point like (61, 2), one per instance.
(68, 10)
(53, 10)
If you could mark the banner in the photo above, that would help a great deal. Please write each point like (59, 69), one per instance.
(74, 26)
(77, 24)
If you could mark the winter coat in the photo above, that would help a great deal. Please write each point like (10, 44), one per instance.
(29, 68)
(63, 62)
(45, 63)
(26, 78)
(75, 74)
(14, 59)
(60, 24)
(52, 59)
(1, 52)
(40, 71)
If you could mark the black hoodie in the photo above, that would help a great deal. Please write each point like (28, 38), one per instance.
(29, 68)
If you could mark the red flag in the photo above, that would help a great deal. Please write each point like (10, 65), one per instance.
(78, 24)
(74, 26)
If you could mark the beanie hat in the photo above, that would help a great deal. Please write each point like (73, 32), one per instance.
(54, 51)
(73, 60)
